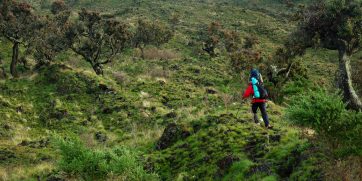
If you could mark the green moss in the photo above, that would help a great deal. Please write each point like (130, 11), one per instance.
(224, 147)
(238, 170)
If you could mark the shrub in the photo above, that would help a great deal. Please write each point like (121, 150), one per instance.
(281, 93)
(158, 71)
(318, 110)
(350, 134)
(326, 114)
(119, 162)
(245, 59)
(121, 78)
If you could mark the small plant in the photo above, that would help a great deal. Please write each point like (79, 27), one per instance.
(121, 77)
(119, 162)
(227, 99)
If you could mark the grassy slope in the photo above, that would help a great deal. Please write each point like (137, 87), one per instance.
(132, 104)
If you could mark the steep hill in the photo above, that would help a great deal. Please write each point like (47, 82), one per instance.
(177, 114)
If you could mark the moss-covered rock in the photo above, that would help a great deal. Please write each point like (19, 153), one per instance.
(172, 133)
(218, 143)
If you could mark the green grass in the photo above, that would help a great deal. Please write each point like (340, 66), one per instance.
(136, 99)
(119, 162)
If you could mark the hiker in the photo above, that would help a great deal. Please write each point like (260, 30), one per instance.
(256, 89)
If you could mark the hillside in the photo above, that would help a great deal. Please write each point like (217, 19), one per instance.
(177, 114)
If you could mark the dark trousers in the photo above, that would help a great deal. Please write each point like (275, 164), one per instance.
(262, 107)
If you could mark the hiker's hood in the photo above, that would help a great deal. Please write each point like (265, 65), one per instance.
(254, 73)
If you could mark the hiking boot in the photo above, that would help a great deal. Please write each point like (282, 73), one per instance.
(258, 123)
(269, 127)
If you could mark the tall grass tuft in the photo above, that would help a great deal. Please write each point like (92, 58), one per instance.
(120, 163)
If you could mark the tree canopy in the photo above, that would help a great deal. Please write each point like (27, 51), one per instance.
(17, 24)
(335, 25)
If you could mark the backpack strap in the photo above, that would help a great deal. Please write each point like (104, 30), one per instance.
(255, 83)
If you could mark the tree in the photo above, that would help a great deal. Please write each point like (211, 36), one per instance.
(251, 41)
(335, 25)
(280, 70)
(245, 57)
(98, 40)
(232, 40)
(58, 6)
(55, 35)
(242, 56)
(17, 24)
(151, 33)
(211, 37)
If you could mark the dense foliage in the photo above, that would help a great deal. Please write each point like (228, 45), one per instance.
(335, 25)
(326, 114)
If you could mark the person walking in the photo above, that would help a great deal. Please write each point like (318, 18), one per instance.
(256, 89)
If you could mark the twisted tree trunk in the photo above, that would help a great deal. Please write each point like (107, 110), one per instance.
(345, 81)
(98, 69)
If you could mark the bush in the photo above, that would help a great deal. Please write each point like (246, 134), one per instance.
(327, 115)
(350, 134)
(121, 78)
(318, 110)
(245, 59)
(120, 162)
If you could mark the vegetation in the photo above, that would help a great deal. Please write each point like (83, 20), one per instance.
(326, 114)
(336, 26)
(150, 33)
(119, 162)
(150, 90)
(17, 25)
